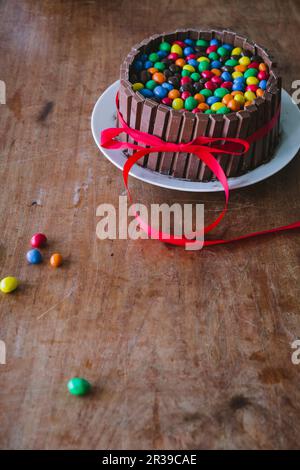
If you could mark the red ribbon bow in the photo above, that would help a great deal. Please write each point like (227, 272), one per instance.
(203, 149)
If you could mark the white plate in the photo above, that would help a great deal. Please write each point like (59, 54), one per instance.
(104, 114)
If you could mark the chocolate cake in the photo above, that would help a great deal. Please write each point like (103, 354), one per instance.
(148, 113)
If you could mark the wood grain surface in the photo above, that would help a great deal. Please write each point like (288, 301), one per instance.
(184, 349)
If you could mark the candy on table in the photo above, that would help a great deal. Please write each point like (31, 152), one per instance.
(189, 73)
(38, 240)
(56, 260)
(78, 386)
(34, 256)
(8, 284)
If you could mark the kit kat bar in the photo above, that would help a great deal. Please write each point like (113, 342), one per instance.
(247, 157)
(125, 98)
(230, 126)
(135, 114)
(159, 130)
(241, 133)
(259, 147)
(228, 36)
(193, 165)
(249, 46)
(239, 41)
(193, 34)
(205, 34)
(270, 108)
(214, 130)
(170, 37)
(172, 135)
(186, 133)
(147, 123)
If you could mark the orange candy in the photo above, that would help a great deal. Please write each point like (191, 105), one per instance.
(263, 67)
(240, 68)
(216, 72)
(199, 97)
(158, 77)
(234, 105)
(237, 93)
(248, 103)
(227, 98)
(56, 260)
(152, 70)
(203, 106)
(259, 92)
(173, 94)
(180, 62)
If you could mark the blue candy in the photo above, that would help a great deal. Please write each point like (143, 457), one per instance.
(160, 91)
(189, 42)
(214, 42)
(138, 65)
(212, 99)
(188, 51)
(229, 47)
(167, 86)
(216, 64)
(146, 93)
(148, 64)
(162, 54)
(226, 76)
(34, 256)
(193, 62)
(263, 84)
(238, 87)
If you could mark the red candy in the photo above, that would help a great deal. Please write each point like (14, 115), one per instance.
(38, 239)
(173, 56)
(263, 75)
(180, 43)
(167, 101)
(217, 80)
(191, 56)
(185, 95)
(185, 80)
(252, 88)
(207, 74)
(227, 85)
(211, 49)
(196, 110)
(210, 86)
(253, 65)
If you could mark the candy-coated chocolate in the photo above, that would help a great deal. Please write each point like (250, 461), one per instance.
(250, 96)
(160, 66)
(234, 105)
(263, 67)
(160, 92)
(227, 98)
(173, 94)
(153, 57)
(199, 97)
(8, 284)
(190, 103)
(263, 84)
(221, 92)
(207, 74)
(185, 95)
(146, 93)
(165, 46)
(236, 51)
(137, 86)
(178, 103)
(188, 67)
(217, 80)
(251, 88)
(202, 43)
(240, 98)
(38, 240)
(226, 85)
(223, 110)
(213, 56)
(210, 85)
(34, 256)
(203, 66)
(244, 60)
(252, 81)
(203, 106)
(262, 75)
(251, 73)
(56, 260)
(216, 106)
(212, 100)
(167, 101)
(206, 92)
(259, 92)
(78, 386)
(159, 77)
(176, 49)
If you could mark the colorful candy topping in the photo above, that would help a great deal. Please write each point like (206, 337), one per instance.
(56, 260)
(34, 256)
(38, 240)
(9, 284)
(200, 76)
(78, 386)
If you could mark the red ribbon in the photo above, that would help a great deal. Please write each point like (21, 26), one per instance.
(203, 149)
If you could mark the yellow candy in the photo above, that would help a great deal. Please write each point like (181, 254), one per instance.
(236, 51)
(240, 99)
(237, 74)
(190, 68)
(252, 81)
(203, 58)
(216, 106)
(178, 103)
(9, 284)
(176, 49)
(250, 96)
(244, 60)
(137, 86)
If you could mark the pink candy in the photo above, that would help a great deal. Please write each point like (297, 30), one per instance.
(185, 95)
(173, 56)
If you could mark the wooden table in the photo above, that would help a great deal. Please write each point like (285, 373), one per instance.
(184, 350)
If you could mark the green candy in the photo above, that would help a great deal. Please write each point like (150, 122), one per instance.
(221, 92)
(185, 73)
(222, 51)
(78, 386)
(231, 62)
(151, 84)
(201, 43)
(209, 111)
(153, 57)
(251, 73)
(203, 65)
(159, 66)
(190, 103)
(165, 46)
(223, 110)
(206, 92)
(213, 56)
(195, 76)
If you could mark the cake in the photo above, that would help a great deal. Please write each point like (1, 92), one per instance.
(191, 83)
